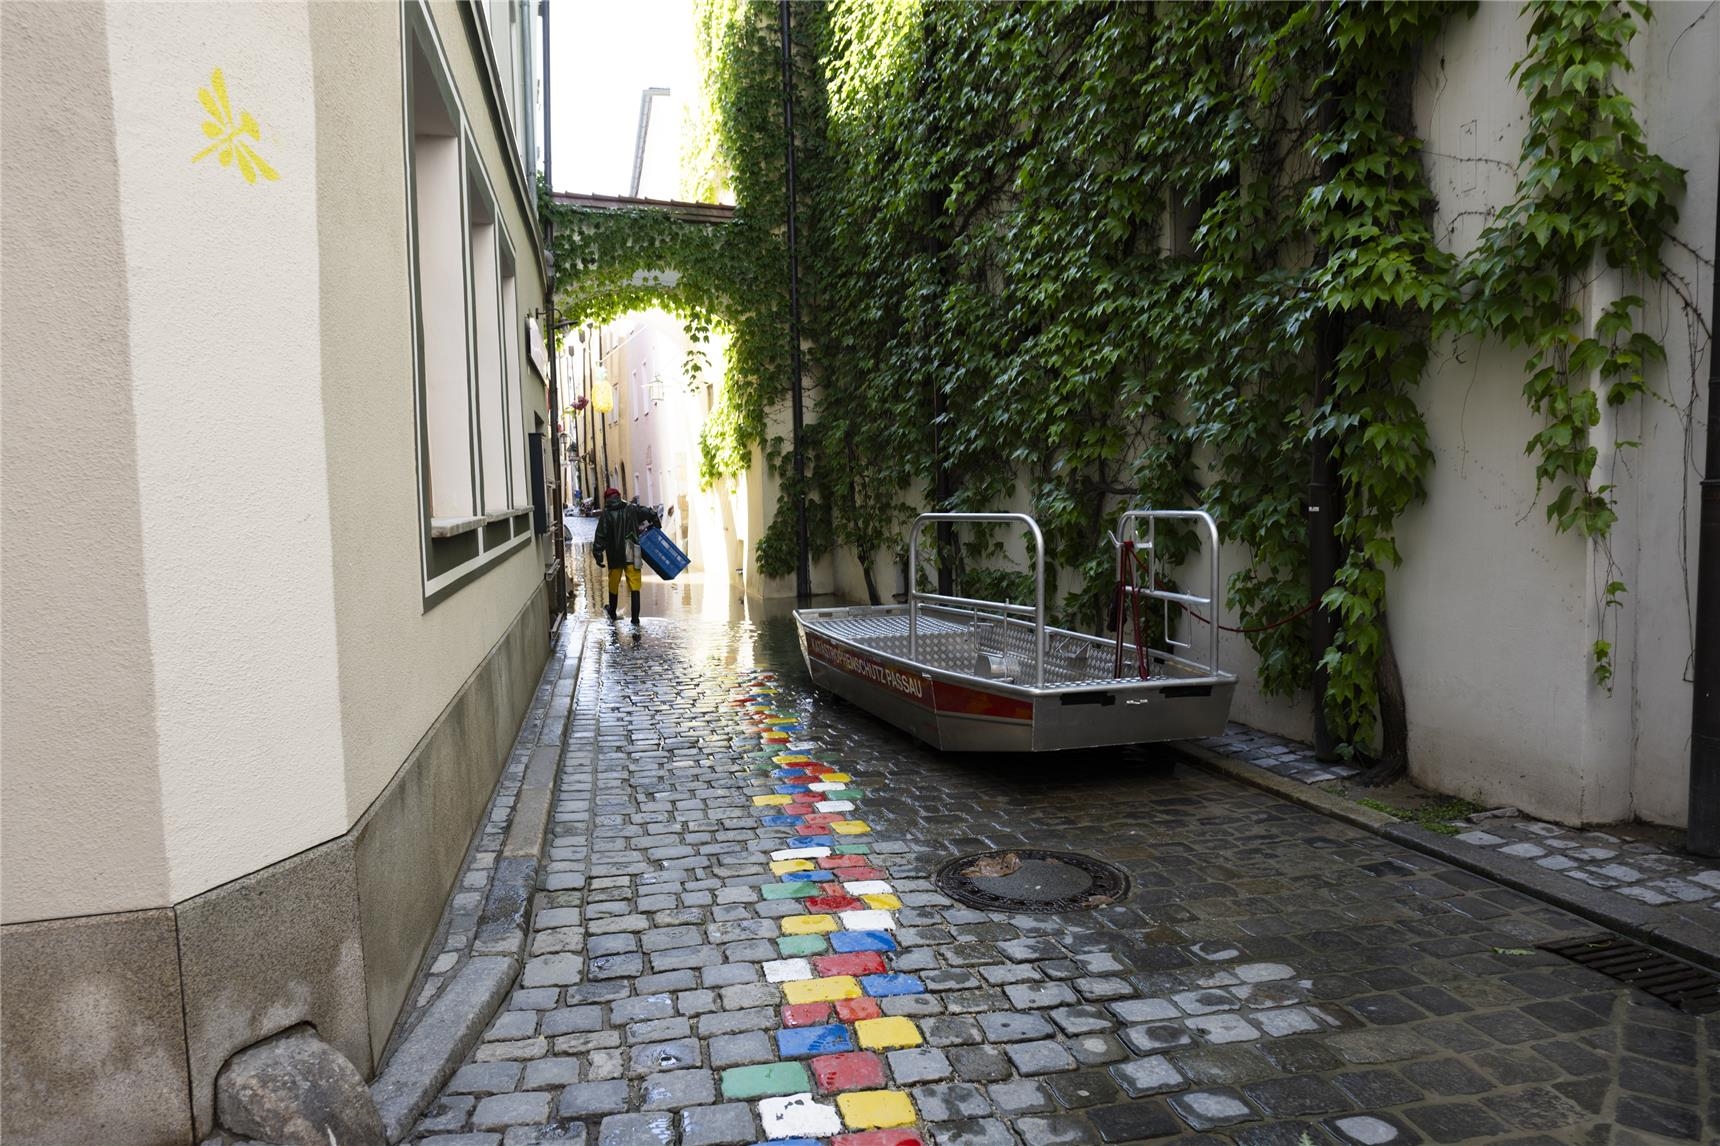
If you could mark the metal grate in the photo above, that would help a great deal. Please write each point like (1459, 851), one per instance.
(1685, 986)
(954, 641)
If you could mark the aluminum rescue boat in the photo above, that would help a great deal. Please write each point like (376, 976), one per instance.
(967, 675)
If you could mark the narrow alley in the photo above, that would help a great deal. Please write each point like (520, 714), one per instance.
(738, 939)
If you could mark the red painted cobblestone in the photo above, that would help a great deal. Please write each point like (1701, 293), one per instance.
(854, 1070)
(805, 1014)
(896, 1137)
(855, 963)
(853, 1010)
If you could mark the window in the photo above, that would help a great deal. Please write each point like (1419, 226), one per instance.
(467, 330)
(436, 163)
(489, 330)
(512, 419)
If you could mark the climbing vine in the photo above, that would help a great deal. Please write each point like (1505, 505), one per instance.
(1078, 258)
(1589, 193)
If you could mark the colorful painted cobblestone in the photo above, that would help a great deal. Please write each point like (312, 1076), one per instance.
(831, 1002)
(1273, 974)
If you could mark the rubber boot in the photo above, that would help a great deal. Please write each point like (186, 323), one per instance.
(610, 608)
(636, 608)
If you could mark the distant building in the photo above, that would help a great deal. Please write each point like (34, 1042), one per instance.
(270, 629)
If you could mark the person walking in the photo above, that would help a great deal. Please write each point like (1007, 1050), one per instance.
(617, 545)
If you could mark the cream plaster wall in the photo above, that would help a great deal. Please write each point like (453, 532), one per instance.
(79, 795)
(224, 288)
(226, 652)
(1494, 612)
(1677, 82)
(399, 663)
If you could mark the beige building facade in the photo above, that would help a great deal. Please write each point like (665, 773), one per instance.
(270, 629)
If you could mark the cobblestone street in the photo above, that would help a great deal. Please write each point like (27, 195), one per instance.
(737, 940)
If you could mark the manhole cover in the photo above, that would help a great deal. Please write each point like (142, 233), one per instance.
(1029, 880)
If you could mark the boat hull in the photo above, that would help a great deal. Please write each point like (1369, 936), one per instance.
(957, 713)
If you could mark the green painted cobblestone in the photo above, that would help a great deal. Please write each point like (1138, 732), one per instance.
(794, 945)
(788, 890)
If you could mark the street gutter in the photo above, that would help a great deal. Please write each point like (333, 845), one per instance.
(452, 1024)
(1593, 904)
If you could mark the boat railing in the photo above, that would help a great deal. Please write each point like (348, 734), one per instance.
(1036, 610)
(1129, 531)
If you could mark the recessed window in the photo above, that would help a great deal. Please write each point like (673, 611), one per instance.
(467, 332)
(488, 372)
(436, 164)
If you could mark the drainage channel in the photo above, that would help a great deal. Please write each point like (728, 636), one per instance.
(1683, 985)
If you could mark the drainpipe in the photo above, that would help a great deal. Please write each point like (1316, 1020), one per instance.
(1703, 834)
(543, 15)
(1324, 493)
(803, 565)
(558, 501)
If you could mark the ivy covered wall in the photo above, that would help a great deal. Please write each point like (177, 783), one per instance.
(1083, 257)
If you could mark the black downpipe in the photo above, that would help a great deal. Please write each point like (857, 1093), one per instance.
(559, 501)
(603, 419)
(802, 564)
(543, 13)
(1703, 834)
(1325, 498)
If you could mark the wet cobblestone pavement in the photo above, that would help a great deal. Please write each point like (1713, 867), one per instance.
(1683, 890)
(737, 940)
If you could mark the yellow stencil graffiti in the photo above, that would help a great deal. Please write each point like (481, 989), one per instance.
(229, 134)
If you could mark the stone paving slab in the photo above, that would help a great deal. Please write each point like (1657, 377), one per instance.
(1662, 894)
(1273, 973)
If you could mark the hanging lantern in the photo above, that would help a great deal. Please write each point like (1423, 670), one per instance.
(602, 396)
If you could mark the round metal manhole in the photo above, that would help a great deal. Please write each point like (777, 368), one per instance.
(1032, 881)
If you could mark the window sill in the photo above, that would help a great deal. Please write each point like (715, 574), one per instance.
(454, 526)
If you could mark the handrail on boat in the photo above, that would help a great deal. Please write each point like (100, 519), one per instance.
(1152, 517)
(1038, 610)
(1000, 606)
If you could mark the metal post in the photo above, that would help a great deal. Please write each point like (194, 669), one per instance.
(593, 487)
(1324, 493)
(1703, 834)
(802, 568)
(1323, 507)
(914, 593)
(1038, 605)
(946, 534)
(557, 502)
(603, 419)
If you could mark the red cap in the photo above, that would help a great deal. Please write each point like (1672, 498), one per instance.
(611, 492)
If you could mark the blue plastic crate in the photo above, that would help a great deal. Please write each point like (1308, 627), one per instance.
(663, 555)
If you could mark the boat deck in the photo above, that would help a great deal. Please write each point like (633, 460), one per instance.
(993, 647)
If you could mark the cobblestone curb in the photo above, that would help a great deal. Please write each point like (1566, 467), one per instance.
(481, 940)
(1638, 921)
